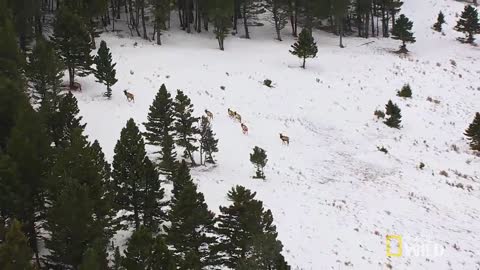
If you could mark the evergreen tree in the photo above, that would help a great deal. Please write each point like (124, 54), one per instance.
(247, 236)
(250, 11)
(80, 205)
(305, 47)
(440, 21)
(280, 14)
(9, 186)
(160, 117)
(136, 182)
(184, 125)
(473, 133)
(405, 92)
(117, 260)
(403, 31)
(145, 252)
(11, 60)
(190, 232)
(15, 254)
(180, 176)
(45, 70)
(72, 39)
(90, 260)
(105, 71)
(259, 160)
(208, 143)
(161, 10)
(12, 100)
(220, 12)
(394, 113)
(28, 148)
(468, 24)
(65, 120)
(167, 163)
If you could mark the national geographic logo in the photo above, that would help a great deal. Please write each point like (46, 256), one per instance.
(398, 246)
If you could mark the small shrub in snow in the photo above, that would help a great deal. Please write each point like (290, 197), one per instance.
(379, 114)
(259, 160)
(421, 166)
(394, 113)
(222, 87)
(405, 92)
(382, 149)
(267, 83)
(440, 20)
(444, 173)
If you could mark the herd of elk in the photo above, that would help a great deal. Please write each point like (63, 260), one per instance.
(130, 96)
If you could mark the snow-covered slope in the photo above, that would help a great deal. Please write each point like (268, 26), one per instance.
(334, 196)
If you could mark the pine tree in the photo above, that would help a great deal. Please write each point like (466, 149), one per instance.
(72, 39)
(80, 206)
(208, 143)
(440, 21)
(28, 148)
(247, 236)
(161, 10)
(9, 186)
(405, 92)
(11, 60)
(167, 163)
(473, 133)
(184, 125)
(280, 14)
(65, 120)
(45, 71)
(136, 182)
(250, 10)
(394, 112)
(160, 117)
(190, 232)
(221, 12)
(105, 71)
(146, 252)
(12, 100)
(403, 31)
(180, 176)
(90, 260)
(468, 24)
(305, 47)
(259, 160)
(15, 254)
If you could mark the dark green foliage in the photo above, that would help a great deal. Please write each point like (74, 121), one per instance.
(65, 120)
(12, 100)
(208, 143)
(405, 92)
(160, 117)
(394, 113)
(90, 260)
(105, 68)
(379, 114)
(15, 254)
(80, 204)
(305, 47)
(220, 12)
(473, 133)
(403, 31)
(191, 224)
(137, 187)
(185, 128)
(180, 176)
(45, 71)
(259, 160)
(9, 187)
(146, 252)
(11, 60)
(161, 10)
(440, 21)
(248, 239)
(267, 82)
(72, 39)
(468, 24)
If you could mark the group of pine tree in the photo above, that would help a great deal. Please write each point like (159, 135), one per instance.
(61, 198)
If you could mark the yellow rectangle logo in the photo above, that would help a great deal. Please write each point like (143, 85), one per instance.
(398, 240)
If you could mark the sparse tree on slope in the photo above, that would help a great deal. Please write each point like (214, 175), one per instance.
(403, 31)
(473, 133)
(259, 160)
(440, 21)
(280, 14)
(393, 111)
(208, 143)
(305, 47)
(105, 71)
(468, 24)
(220, 12)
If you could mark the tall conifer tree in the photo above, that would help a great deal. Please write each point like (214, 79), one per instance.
(473, 133)
(403, 31)
(468, 24)
(305, 47)
(15, 254)
(185, 129)
(105, 68)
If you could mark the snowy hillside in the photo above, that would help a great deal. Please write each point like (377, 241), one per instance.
(334, 196)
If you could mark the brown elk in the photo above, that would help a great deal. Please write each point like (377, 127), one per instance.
(231, 113)
(285, 139)
(209, 114)
(244, 128)
(130, 96)
(238, 117)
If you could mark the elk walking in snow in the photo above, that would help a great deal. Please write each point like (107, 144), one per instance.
(209, 115)
(238, 117)
(231, 113)
(285, 139)
(130, 96)
(244, 128)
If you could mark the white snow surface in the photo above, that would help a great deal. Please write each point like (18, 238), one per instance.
(334, 196)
